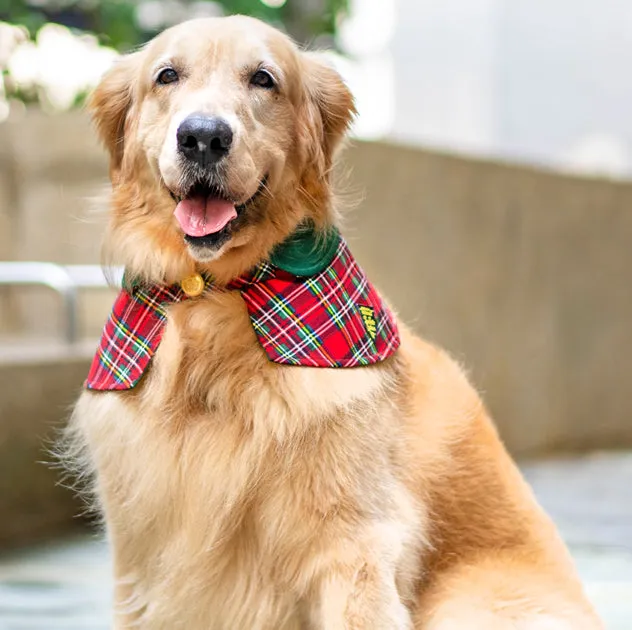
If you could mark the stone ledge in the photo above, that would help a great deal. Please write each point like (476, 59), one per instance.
(36, 394)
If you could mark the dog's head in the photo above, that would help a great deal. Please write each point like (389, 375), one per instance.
(221, 135)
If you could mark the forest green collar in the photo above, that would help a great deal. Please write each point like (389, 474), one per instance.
(306, 252)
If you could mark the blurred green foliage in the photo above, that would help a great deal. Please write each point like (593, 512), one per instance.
(116, 22)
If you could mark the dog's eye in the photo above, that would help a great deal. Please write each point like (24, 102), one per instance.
(263, 79)
(166, 76)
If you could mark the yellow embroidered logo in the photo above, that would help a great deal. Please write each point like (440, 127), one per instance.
(370, 324)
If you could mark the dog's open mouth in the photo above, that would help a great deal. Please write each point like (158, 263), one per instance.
(205, 213)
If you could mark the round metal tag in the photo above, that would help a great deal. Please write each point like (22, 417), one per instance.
(193, 285)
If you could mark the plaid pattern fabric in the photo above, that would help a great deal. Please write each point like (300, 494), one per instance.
(332, 319)
(131, 336)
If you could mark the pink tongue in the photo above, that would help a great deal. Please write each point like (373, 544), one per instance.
(200, 216)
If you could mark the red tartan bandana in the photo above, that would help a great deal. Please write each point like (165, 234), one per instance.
(334, 318)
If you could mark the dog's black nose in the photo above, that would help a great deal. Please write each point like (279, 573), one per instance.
(203, 139)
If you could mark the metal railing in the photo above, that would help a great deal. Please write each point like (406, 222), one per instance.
(65, 280)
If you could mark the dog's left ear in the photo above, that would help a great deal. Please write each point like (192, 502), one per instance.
(330, 104)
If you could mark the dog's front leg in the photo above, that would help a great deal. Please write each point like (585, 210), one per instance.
(358, 596)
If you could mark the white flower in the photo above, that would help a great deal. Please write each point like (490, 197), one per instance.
(10, 38)
(59, 64)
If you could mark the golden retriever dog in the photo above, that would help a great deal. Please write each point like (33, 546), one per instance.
(244, 490)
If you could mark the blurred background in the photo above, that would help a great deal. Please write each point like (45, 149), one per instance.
(492, 159)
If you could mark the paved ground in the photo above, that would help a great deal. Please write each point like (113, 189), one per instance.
(591, 501)
(65, 586)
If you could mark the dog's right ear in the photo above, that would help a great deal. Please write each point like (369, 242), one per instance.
(109, 105)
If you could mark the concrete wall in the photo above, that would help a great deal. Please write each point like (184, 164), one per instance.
(52, 180)
(523, 275)
(35, 395)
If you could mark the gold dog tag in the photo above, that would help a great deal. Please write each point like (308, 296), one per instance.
(193, 285)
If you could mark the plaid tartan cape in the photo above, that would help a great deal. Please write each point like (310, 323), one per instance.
(334, 318)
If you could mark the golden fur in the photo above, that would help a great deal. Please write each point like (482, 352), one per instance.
(241, 494)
